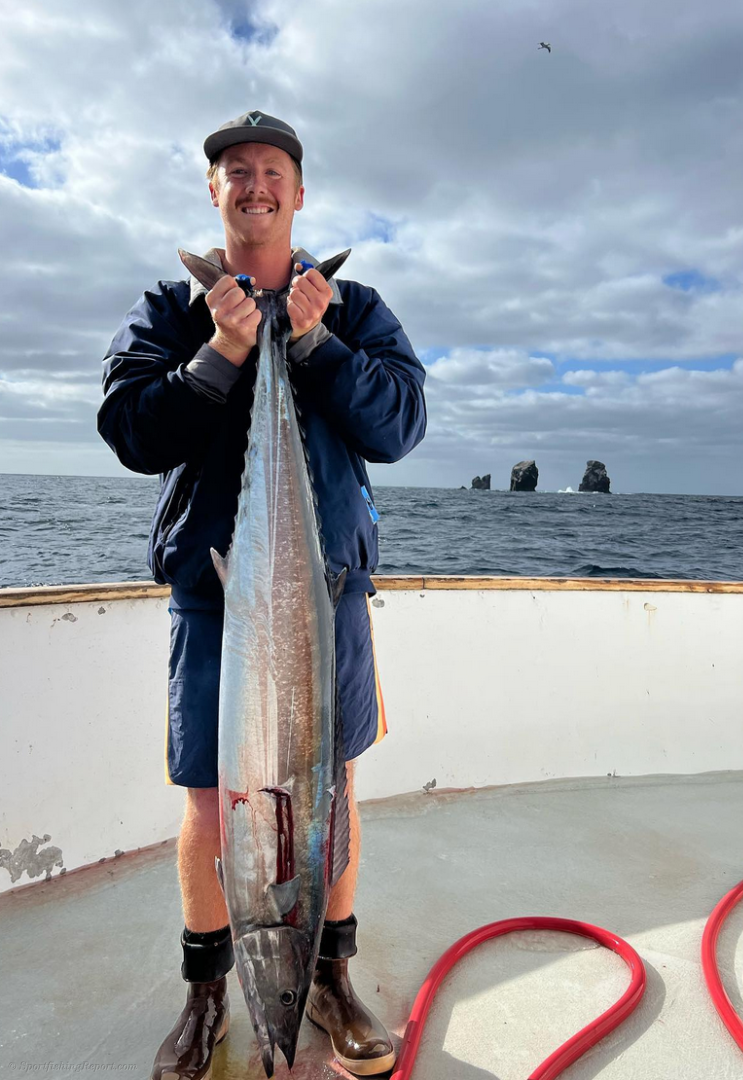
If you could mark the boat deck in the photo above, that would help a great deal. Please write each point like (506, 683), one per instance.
(91, 960)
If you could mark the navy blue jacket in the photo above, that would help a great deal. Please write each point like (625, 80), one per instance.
(360, 393)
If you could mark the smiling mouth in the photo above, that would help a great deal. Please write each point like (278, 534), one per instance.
(256, 210)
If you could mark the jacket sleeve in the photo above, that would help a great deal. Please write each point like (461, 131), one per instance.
(153, 417)
(370, 385)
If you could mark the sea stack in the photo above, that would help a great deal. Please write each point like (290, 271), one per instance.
(595, 478)
(524, 476)
(481, 483)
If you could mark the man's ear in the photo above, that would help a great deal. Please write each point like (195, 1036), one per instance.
(299, 200)
(213, 194)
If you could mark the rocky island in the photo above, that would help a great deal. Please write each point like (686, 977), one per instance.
(595, 478)
(524, 476)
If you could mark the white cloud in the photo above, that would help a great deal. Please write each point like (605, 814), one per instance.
(593, 382)
(536, 202)
(671, 430)
(40, 394)
(496, 367)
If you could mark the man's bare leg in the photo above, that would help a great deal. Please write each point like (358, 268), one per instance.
(207, 946)
(204, 908)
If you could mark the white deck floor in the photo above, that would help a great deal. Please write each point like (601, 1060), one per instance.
(91, 961)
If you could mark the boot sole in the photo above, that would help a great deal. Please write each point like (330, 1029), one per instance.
(370, 1067)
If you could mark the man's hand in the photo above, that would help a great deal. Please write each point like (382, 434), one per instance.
(236, 318)
(308, 301)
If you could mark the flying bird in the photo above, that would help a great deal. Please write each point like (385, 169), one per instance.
(545, 45)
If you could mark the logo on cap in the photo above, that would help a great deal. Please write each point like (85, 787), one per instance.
(257, 120)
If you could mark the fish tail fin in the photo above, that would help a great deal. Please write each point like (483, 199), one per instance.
(329, 267)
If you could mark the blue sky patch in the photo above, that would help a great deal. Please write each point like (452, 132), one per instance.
(378, 228)
(691, 280)
(640, 367)
(16, 156)
(632, 367)
(245, 30)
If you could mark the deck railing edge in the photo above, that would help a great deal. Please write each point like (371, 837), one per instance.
(144, 590)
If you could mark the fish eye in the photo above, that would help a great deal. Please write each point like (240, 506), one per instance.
(287, 997)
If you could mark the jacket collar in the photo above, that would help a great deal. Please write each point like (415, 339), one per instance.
(215, 255)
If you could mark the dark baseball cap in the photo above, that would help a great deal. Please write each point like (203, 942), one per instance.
(254, 126)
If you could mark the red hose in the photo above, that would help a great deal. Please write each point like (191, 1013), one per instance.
(574, 1047)
(722, 1002)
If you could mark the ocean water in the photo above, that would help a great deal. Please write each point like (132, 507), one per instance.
(57, 530)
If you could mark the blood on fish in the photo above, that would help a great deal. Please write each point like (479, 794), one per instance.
(236, 797)
(284, 834)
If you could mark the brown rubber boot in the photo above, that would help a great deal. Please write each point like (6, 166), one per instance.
(186, 1053)
(360, 1041)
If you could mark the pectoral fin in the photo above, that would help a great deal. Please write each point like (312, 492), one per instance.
(284, 896)
(221, 564)
(220, 872)
(337, 583)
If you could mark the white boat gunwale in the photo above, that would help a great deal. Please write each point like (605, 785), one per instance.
(146, 590)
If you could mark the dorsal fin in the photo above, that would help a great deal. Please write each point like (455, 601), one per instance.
(340, 815)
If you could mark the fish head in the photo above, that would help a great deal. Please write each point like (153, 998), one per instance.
(274, 968)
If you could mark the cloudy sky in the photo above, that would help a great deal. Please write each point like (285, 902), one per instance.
(560, 233)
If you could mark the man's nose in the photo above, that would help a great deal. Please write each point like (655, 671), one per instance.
(253, 182)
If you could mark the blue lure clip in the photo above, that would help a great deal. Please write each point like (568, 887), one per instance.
(245, 283)
(305, 265)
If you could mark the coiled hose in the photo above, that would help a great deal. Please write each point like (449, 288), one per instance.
(576, 1046)
(719, 996)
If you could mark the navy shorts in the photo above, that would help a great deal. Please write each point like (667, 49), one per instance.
(193, 689)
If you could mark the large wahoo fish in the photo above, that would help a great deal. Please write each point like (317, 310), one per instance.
(281, 772)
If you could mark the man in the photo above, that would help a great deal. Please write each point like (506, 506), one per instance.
(178, 382)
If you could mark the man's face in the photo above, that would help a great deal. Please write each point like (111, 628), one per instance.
(256, 193)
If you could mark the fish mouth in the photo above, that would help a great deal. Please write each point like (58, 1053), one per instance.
(268, 1054)
(275, 970)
